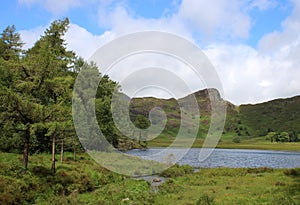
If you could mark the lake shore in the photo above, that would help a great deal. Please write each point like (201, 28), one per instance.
(256, 144)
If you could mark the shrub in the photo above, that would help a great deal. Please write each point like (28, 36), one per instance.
(14, 191)
(40, 171)
(72, 182)
(205, 200)
(259, 170)
(177, 170)
(236, 140)
(292, 172)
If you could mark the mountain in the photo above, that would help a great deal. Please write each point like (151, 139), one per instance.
(251, 120)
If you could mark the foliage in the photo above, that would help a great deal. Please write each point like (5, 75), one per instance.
(236, 140)
(142, 123)
(36, 90)
(205, 200)
(85, 182)
(292, 172)
(176, 171)
(281, 137)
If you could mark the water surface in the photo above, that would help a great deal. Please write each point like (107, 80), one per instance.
(225, 157)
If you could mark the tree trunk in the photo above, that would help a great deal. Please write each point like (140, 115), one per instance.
(140, 137)
(26, 149)
(74, 149)
(53, 155)
(62, 151)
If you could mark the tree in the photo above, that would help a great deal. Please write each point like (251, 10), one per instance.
(278, 137)
(38, 98)
(68, 138)
(283, 137)
(142, 123)
(52, 64)
(272, 136)
(36, 88)
(14, 122)
(10, 43)
(84, 106)
(293, 136)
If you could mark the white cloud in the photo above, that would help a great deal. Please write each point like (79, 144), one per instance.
(122, 22)
(251, 76)
(263, 4)
(168, 74)
(215, 17)
(216, 20)
(29, 37)
(77, 38)
(83, 42)
(248, 75)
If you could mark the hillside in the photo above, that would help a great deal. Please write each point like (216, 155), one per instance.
(255, 120)
(280, 115)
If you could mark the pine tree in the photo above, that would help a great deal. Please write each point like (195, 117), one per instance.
(38, 100)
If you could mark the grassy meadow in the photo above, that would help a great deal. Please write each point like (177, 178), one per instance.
(226, 142)
(84, 182)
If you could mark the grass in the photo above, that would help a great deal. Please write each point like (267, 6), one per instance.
(128, 165)
(232, 186)
(85, 182)
(226, 143)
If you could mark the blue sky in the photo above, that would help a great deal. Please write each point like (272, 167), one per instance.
(29, 14)
(253, 44)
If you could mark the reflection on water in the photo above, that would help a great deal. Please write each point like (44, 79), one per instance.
(228, 157)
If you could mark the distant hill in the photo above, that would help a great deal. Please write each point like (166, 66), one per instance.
(280, 115)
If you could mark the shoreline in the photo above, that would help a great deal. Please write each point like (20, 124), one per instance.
(289, 147)
(241, 148)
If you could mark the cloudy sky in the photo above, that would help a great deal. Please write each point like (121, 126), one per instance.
(254, 45)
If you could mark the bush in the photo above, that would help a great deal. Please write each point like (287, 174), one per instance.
(205, 200)
(67, 183)
(259, 170)
(40, 171)
(177, 170)
(236, 140)
(292, 172)
(14, 191)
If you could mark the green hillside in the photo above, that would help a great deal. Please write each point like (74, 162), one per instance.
(244, 121)
(280, 115)
(173, 110)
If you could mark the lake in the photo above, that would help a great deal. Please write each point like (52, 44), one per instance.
(226, 157)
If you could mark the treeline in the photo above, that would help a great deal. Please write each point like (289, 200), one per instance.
(283, 137)
(36, 87)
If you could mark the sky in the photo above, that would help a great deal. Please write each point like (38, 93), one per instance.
(254, 45)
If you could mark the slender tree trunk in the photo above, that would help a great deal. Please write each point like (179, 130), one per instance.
(140, 137)
(74, 149)
(53, 155)
(62, 151)
(26, 149)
